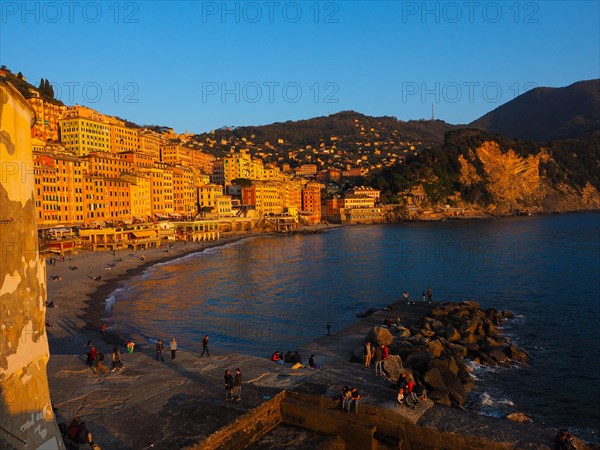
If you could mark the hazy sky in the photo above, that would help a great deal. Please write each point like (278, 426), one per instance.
(198, 65)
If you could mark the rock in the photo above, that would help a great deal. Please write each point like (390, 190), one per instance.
(457, 349)
(434, 380)
(438, 312)
(518, 354)
(419, 361)
(451, 334)
(436, 348)
(490, 329)
(490, 343)
(455, 389)
(518, 417)
(427, 333)
(440, 397)
(393, 367)
(471, 304)
(486, 359)
(469, 339)
(498, 355)
(494, 316)
(506, 314)
(472, 348)
(402, 332)
(469, 327)
(380, 335)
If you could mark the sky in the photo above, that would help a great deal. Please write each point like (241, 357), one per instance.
(200, 65)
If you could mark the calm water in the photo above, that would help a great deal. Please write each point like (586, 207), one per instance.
(276, 293)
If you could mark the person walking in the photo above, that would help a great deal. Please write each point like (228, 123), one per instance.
(368, 354)
(116, 359)
(92, 355)
(173, 347)
(238, 384)
(378, 361)
(88, 353)
(228, 385)
(205, 347)
(159, 350)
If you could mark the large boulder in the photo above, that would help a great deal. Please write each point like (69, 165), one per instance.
(419, 361)
(499, 355)
(506, 314)
(402, 332)
(469, 327)
(380, 335)
(440, 397)
(517, 353)
(457, 349)
(436, 348)
(393, 367)
(456, 390)
(451, 334)
(471, 304)
(434, 380)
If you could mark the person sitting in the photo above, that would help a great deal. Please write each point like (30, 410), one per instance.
(312, 364)
(288, 357)
(77, 431)
(275, 357)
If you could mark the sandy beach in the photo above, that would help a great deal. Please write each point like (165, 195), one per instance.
(79, 286)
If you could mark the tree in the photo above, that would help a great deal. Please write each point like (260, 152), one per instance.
(242, 182)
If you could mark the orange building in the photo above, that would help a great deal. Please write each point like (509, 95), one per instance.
(203, 161)
(139, 195)
(311, 202)
(47, 115)
(103, 164)
(123, 139)
(184, 192)
(175, 153)
(117, 202)
(149, 143)
(138, 159)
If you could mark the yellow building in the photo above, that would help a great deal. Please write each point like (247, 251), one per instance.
(265, 196)
(208, 195)
(237, 165)
(83, 130)
(103, 164)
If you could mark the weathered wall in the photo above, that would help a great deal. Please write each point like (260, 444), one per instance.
(26, 415)
(245, 429)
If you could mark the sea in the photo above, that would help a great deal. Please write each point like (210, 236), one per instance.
(270, 293)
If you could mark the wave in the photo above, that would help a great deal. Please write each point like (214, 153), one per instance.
(112, 298)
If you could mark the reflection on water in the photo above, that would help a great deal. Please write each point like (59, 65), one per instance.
(276, 293)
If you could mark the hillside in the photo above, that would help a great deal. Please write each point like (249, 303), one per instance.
(26, 88)
(492, 174)
(548, 114)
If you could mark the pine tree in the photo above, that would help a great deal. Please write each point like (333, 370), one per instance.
(51, 92)
(46, 87)
(41, 87)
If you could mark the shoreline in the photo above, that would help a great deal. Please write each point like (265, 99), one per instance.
(81, 302)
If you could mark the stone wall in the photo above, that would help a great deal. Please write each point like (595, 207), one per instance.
(246, 429)
(26, 417)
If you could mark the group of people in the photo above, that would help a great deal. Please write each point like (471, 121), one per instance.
(233, 385)
(409, 392)
(350, 398)
(95, 359)
(378, 352)
(160, 347)
(426, 296)
(294, 359)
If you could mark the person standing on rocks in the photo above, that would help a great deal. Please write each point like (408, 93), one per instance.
(429, 295)
(238, 384)
(378, 360)
(228, 385)
(368, 354)
(159, 349)
(173, 347)
(354, 398)
(205, 347)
